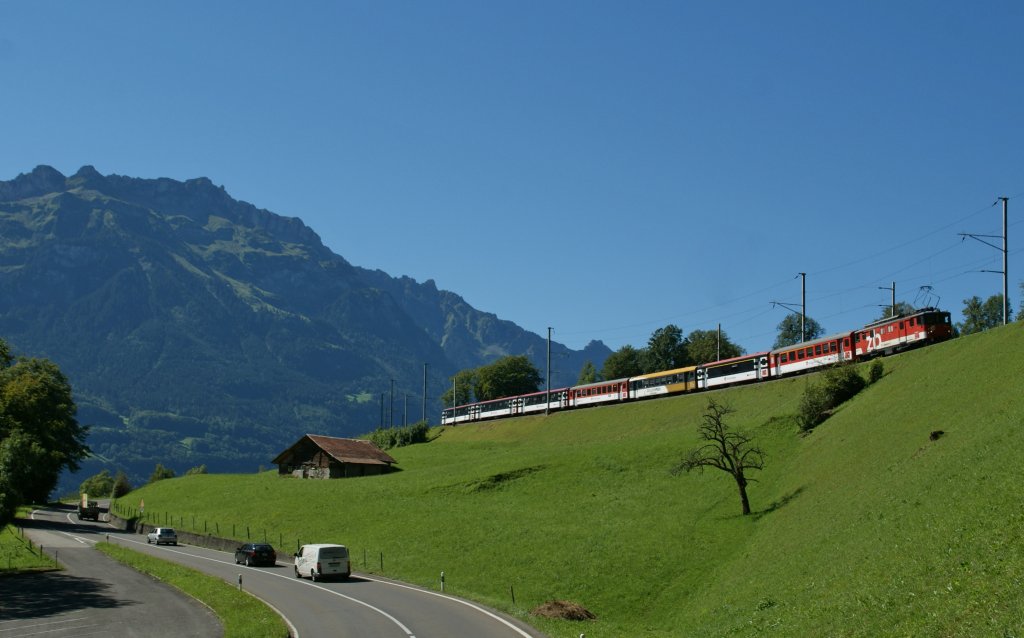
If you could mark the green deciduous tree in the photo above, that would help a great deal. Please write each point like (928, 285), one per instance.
(979, 316)
(902, 309)
(18, 455)
(588, 374)
(789, 330)
(98, 485)
(37, 413)
(666, 349)
(463, 381)
(624, 362)
(506, 377)
(725, 449)
(702, 346)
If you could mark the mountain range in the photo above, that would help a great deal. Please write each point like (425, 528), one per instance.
(197, 329)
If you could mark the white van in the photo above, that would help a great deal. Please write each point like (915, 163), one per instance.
(322, 561)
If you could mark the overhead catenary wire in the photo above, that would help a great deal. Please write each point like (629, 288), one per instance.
(707, 315)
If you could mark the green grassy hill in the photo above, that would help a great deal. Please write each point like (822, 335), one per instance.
(866, 527)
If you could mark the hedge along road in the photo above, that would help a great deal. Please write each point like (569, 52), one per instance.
(359, 607)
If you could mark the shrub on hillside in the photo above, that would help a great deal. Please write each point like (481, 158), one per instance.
(121, 485)
(160, 473)
(831, 389)
(387, 438)
(876, 371)
(812, 410)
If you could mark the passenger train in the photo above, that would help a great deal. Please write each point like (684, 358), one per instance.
(883, 337)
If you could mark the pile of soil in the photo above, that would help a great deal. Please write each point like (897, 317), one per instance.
(564, 609)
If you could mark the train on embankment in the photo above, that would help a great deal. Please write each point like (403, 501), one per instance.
(884, 337)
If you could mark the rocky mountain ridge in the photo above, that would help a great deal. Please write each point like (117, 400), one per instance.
(199, 329)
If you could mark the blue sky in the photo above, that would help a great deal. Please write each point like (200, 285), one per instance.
(602, 168)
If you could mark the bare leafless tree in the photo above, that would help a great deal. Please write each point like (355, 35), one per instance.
(726, 449)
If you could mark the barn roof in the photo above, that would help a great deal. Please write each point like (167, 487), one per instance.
(344, 450)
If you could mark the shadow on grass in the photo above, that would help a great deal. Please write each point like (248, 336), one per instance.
(782, 502)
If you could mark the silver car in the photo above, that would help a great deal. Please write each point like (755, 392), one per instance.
(163, 536)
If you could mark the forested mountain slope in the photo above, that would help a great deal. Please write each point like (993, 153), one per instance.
(198, 329)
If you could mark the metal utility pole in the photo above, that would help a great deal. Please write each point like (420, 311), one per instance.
(719, 350)
(892, 308)
(1005, 271)
(547, 394)
(391, 406)
(424, 418)
(803, 305)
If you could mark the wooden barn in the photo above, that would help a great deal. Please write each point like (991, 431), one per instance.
(327, 457)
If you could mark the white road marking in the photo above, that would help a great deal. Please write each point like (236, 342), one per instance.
(454, 599)
(408, 632)
(397, 622)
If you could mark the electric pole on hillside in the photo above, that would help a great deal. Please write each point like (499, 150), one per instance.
(547, 393)
(1005, 271)
(892, 308)
(425, 395)
(718, 350)
(803, 305)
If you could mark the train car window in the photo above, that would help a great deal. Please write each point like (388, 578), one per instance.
(846, 342)
(799, 354)
(817, 349)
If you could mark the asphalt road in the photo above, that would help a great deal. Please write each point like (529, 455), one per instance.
(361, 607)
(93, 595)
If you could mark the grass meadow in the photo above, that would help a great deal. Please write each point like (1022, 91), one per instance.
(18, 554)
(864, 527)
